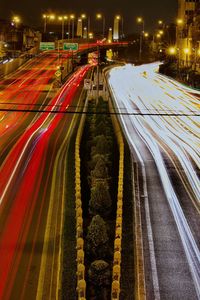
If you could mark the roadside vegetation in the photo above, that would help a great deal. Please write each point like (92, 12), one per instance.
(99, 172)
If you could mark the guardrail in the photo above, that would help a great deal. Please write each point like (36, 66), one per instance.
(116, 273)
(81, 283)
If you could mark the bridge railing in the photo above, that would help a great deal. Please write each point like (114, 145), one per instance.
(81, 283)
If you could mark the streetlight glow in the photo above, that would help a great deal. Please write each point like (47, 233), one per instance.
(179, 21)
(172, 50)
(186, 50)
(16, 19)
(99, 16)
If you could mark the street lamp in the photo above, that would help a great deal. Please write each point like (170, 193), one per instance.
(46, 17)
(141, 21)
(72, 17)
(62, 19)
(110, 35)
(84, 17)
(172, 50)
(16, 20)
(101, 17)
(187, 52)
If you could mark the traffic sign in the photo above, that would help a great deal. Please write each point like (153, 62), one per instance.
(58, 73)
(87, 84)
(47, 46)
(70, 46)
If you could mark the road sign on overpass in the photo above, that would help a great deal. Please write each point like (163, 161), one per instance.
(47, 46)
(70, 46)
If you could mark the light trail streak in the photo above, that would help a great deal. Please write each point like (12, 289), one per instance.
(35, 138)
(132, 89)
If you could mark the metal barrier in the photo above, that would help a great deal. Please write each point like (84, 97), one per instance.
(81, 283)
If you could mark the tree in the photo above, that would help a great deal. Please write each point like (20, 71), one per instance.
(97, 238)
(99, 273)
(100, 172)
(101, 143)
(95, 158)
(100, 200)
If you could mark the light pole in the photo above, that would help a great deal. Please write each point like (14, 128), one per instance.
(101, 17)
(187, 52)
(62, 19)
(46, 17)
(45, 22)
(72, 17)
(15, 21)
(179, 37)
(140, 21)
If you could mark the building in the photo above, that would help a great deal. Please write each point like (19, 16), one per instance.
(188, 33)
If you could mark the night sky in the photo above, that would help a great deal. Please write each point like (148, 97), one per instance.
(31, 10)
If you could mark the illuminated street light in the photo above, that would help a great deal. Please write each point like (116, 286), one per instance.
(172, 50)
(146, 34)
(91, 35)
(140, 20)
(101, 17)
(84, 17)
(16, 19)
(72, 17)
(46, 17)
(186, 50)
(179, 22)
(110, 35)
(62, 19)
(160, 22)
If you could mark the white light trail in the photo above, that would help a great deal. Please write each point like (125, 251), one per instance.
(140, 88)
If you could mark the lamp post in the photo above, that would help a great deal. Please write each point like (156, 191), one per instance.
(45, 22)
(46, 17)
(15, 21)
(84, 17)
(72, 17)
(141, 21)
(62, 19)
(187, 52)
(101, 17)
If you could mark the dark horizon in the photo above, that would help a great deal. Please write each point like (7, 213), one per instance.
(31, 13)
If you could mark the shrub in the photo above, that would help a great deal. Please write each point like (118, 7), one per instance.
(97, 238)
(95, 158)
(100, 172)
(100, 200)
(99, 273)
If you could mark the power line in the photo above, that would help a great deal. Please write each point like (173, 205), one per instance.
(139, 113)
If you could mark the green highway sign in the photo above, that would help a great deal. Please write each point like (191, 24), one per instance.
(70, 46)
(47, 46)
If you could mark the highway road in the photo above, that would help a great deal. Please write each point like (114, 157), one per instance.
(30, 87)
(161, 120)
(33, 149)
